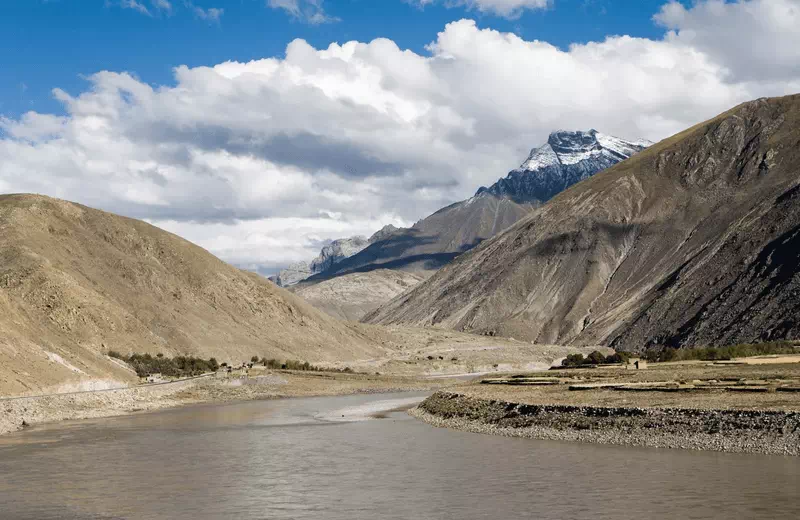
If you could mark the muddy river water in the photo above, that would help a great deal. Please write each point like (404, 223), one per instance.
(362, 457)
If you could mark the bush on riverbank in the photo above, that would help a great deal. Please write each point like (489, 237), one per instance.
(181, 366)
(721, 353)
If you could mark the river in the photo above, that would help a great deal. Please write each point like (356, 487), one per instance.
(353, 458)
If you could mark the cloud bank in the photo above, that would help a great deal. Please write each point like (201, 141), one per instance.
(260, 162)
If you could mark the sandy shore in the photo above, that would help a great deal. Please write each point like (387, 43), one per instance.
(772, 432)
(18, 413)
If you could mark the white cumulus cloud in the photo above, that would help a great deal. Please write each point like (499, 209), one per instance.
(753, 39)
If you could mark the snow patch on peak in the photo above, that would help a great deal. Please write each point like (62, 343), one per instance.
(539, 158)
(621, 146)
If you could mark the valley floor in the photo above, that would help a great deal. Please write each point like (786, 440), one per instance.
(416, 359)
(735, 408)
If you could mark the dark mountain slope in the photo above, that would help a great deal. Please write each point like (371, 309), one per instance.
(693, 241)
(566, 158)
(435, 240)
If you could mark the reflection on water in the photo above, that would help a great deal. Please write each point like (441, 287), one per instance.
(293, 459)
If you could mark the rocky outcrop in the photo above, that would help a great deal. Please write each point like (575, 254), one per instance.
(329, 256)
(690, 242)
(337, 251)
(751, 431)
(295, 273)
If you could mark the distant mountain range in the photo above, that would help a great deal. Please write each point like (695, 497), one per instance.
(567, 158)
(330, 255)
(692, 242)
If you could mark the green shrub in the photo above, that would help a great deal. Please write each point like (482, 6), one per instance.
(573, 360)
(618, 357)
(271, 363)
(595, 358)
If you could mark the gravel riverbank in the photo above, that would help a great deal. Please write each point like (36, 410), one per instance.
(742, 431)
(18, 413)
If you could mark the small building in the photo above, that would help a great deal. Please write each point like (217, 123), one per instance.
(636, 364)
(155, 378)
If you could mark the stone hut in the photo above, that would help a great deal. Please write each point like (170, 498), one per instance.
(636, 364)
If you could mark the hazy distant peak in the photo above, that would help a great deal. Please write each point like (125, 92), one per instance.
(382, 233)
(330, 255)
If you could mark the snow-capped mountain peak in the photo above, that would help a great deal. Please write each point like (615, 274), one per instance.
(566, 158)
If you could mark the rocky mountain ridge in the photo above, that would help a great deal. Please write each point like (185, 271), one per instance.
(691, 242)
(566, 158)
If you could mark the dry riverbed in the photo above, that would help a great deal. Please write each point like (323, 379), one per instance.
(735, 408)
(17, 413)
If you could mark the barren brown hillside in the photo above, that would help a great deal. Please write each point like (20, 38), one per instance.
(693, 241)
(351, 296)
(76, 282)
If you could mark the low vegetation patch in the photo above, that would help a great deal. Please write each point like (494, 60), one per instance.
(722, 353)
(595, 358)
(181, 366)
(290, 364)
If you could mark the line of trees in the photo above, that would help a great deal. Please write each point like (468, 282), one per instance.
(722, 353)
(291, 364)
(180, 366)
(595, 358)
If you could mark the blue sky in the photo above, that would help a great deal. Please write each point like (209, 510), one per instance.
(54, 43)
